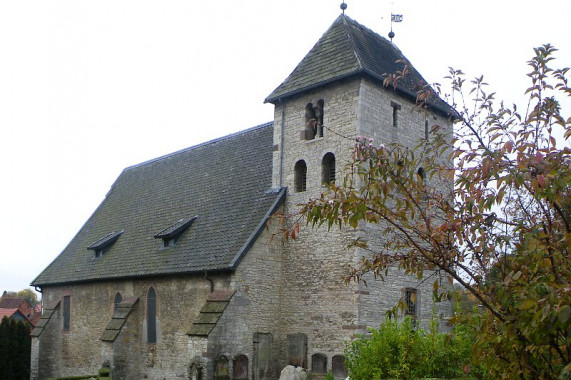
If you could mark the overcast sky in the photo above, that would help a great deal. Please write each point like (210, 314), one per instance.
(89, 87)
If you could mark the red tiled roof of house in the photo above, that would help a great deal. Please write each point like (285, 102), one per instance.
(7, 312)
(10, 302)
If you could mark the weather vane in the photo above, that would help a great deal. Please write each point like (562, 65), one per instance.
(394, 18)
(343, 7)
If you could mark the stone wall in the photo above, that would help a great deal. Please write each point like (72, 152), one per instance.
(254, 309)
(80, 350)
(315, 301)
(376, 121)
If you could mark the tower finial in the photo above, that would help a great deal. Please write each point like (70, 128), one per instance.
(343, 6)
(394, 18)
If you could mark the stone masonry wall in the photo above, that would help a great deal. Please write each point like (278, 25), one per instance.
(80, 350)
(254, 308)
(315, 301)
(376, 121)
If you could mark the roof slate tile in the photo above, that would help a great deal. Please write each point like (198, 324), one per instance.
(225, 182)
(346, 49)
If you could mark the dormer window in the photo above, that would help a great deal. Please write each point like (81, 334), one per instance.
(172, 234)
(313, 121)
(102, 245)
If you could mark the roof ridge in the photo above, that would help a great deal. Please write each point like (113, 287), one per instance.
(351, 39)
(199, 145)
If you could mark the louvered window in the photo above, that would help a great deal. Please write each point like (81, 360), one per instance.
(410, 300)
(328, 168)
(300, 170)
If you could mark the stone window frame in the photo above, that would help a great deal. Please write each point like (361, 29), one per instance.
(300, 176)
(221, 359)
(421, 173)
(66, 312)
(236, 359)
(313, 127)
(396, 108)
(318, 371)
(117, 300)
(328, 168)
(411, 306)
(151, 312)
(334, 359)
(199, 371)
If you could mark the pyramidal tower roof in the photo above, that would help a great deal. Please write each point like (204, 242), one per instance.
(349, 49)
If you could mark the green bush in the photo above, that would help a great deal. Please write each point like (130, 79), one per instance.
(105, 371)
(15, 345)
(401, 351)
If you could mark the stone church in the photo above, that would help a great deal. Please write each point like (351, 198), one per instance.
(176, 275)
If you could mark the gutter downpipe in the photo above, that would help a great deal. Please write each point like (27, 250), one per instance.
(39, 290)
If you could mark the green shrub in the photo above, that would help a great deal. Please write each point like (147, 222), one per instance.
(104, 371)
(401, 351)
(15, 345)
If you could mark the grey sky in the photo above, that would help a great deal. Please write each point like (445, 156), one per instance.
(89, 87)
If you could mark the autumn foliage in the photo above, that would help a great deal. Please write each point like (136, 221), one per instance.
(489, 206)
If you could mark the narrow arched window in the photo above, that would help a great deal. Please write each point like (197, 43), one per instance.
(313, 120)
(426, 130)
(196, 372)
(241, 368)
(396, 108)
(319, 364)
(328, 168)
(151, 316)
(421, 173)
(117, 300)
(300, 179)
(221, 368)
(66, 313)
(338, 366)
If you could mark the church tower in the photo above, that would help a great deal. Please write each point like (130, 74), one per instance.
(335, 94)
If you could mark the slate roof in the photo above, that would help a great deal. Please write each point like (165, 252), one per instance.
(348, 49)
(225, 183)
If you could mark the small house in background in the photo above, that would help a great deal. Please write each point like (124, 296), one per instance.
(13, 314)
(177, 274)
(19, 308)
